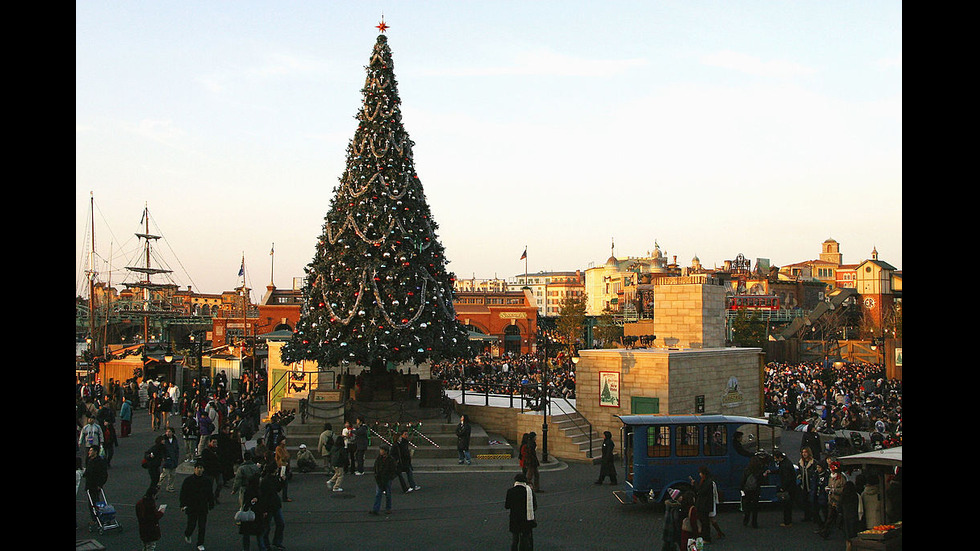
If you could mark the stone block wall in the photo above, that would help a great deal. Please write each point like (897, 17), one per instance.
(729, 380)
(691, 313)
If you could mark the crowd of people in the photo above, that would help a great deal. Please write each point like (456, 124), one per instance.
(509, 374)
(813, 397)
(206, 425)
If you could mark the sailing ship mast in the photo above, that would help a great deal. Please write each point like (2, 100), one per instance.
(91, 276)
(147, 270)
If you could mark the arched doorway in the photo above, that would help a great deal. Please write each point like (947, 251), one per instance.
(512, 340)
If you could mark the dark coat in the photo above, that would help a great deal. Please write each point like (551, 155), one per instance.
(403, 455)
(361, 437)
(704, 498)
(257, 526)
(787, 476)
(607, 464)
(212, 463)
(385, 469)
(811, 440)
(516, 501)
(229, 453)
(197, 494)
(338, 455)
(155, 456)
(269, 488)
(463, 431)
(96, 473)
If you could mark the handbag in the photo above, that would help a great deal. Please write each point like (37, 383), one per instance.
(244, 515)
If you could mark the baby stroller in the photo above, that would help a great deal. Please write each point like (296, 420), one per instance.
(104, 513)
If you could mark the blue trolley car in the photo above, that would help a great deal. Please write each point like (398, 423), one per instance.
(661, 452)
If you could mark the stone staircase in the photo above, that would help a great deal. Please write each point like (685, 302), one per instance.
(574, 430)
(434, 439)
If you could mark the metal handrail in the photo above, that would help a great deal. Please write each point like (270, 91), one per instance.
(523, 396)
(574, 422)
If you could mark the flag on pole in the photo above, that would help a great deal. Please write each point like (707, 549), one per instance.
(524, 254)
(241, 271)
(272, 251)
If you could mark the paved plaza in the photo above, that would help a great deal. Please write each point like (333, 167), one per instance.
(454, 510)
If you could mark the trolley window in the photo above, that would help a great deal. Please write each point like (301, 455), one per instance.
(658, 441)
(715, 440)
(687, 440)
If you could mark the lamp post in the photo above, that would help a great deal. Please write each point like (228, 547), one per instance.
(197, 345)
(168, 357)
(545, 401)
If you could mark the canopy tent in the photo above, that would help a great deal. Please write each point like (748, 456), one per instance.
(891, 457)
(477, 336)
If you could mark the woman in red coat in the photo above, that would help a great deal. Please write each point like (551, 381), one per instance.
(148, 515)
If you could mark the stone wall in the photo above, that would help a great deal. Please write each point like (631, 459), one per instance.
(725, 380)
(691, 313)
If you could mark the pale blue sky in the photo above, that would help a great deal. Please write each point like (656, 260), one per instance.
(712, 128)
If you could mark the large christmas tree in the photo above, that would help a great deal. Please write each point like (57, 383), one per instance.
(377, 289)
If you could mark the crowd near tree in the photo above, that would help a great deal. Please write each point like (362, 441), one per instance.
(509, 374)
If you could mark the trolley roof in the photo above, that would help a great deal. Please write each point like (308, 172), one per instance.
(657, 419)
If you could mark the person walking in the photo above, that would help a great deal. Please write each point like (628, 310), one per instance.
(751, 489)
(348, 435)
(607, 464)
(704, 501)
(269, 487)
(250, 495)
(786, 488)
(229, 453)
(463, 432)
(811, 441)
(196, 500)
(325, 444)
(285, 469)
(522, 503)
(91, 436)
(818, 494)
(403, 458)
(96, 474)
(835, 489)
(520, 453)
(385, 471)
(529, 454)
(360, 444)
(125, 418)
(807, 467)
(673, 515)
(246, 472)
(170, 461)
(211, 463)
(148, 515)
(192, 437)
(153, 461)
(339, 462)
(109, 441)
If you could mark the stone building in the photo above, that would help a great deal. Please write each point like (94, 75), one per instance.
(689, 371)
